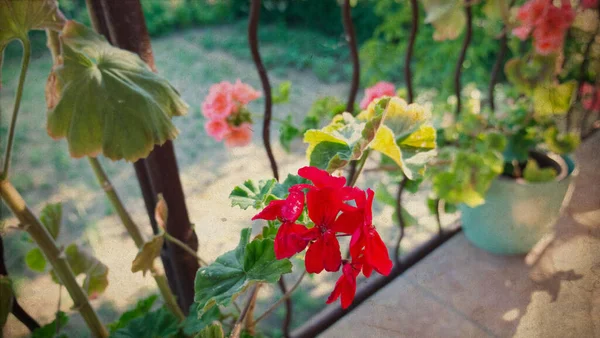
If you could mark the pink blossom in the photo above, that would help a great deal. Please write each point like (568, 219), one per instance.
(589, 3)
(590, 97)
(380, 89)
(244, 93)
(239, 136)
(217, 128)
(548, 23)
(219, 103)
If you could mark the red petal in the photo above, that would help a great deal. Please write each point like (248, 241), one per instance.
(367, 270)
(293, 206)
(323, 206)
(321, 178)
(271, 212)
(289, 240)
(376, 253)
(332, 257)
(314, 257)
(348, 286)
(369, 207)
(357, 243)
(348, 222)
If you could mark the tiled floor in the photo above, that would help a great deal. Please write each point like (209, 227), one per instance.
(462, 291)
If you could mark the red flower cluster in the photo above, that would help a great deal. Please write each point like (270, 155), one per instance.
(328, 208)
(548, 23)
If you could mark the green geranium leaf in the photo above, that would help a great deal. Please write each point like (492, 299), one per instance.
(281, 190)
(533, 173)
(144, 260)
(561, 143)
(281, 94)
(344, 139)
(192, 324)
(141, 308)
(107, 100)
(6, 299)
(446, 16)
(326, 106)
(468, 176)
(287, 133)
(35, 260)
(51, 217)
(231, 273)
(214, 330)
(160, 323)
(553, 99)
(251, 194)
(81, 262)
(49, 330)
(18, 17)
(528, 73)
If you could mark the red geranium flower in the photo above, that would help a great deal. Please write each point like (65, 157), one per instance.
(325, 200)
(345, 285)
(366, 244)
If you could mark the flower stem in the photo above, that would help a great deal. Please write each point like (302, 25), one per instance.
(237, 328)
(185, 247)
(281, 300)
(360, 166)
(55, 256)
(135, 234)
(17, 105)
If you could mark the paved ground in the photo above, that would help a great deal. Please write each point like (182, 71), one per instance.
(462, 291)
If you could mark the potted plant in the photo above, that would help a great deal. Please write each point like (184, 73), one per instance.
(509, 171)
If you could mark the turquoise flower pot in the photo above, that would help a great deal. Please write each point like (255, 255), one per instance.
(517, 214)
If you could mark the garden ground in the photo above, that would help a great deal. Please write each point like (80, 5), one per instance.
(43, 172)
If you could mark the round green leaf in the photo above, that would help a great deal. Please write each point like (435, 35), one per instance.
(107, 100)
(18, 17)
(35, 260)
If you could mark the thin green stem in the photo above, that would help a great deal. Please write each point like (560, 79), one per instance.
(281, 300)
(135, 234)
(18, 97)
(360, 166)
(185, 247)
(55, 256)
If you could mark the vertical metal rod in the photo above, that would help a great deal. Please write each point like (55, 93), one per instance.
(401, 223)
(496, 70)
(461, 58)
(264, 80)
(409, 51)
(352, 44)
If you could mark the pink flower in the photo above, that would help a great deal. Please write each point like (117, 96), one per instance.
(548, 23)
(589, 3)
(244, 93)
(239, 136)
(217, 128)
(219, 103)
(378, 90)
(590, 97)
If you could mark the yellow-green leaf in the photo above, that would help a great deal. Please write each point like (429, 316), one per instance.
(51, 217)
(553, 99)
(423, 138)
(145, 258)
(561, 143)
(385, 143)
(214, 330)
(528, 73)
(18, 17)
(446, 16)
(105, 100)
(533, 173)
